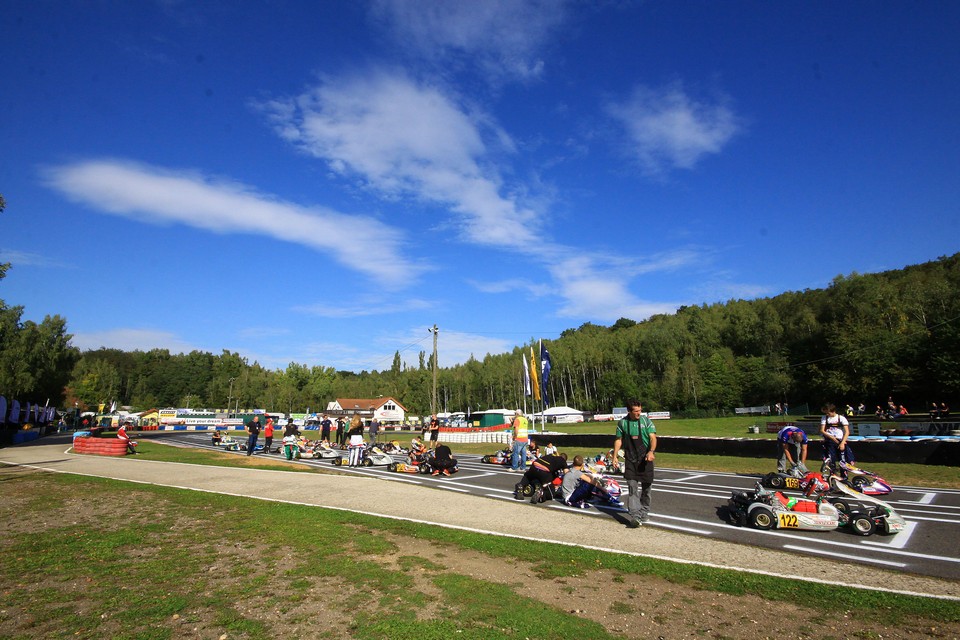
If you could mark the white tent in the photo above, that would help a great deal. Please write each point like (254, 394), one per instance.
(561, 414)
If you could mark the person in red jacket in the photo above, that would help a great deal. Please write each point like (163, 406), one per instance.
(268, 435)
(122, 434)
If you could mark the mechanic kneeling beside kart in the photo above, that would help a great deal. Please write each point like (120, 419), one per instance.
(443, 461)
(540, 475)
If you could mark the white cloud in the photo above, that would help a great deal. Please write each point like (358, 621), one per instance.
(503, 37)
(372, 306)
(29, 259)
(127, 339)
(151, 194)
(404, 138)
(602, 293)
(669, 129)
(535, 289)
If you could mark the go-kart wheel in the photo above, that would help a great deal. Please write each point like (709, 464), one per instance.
(528, 490)
(761, 518)
(862, 525)
(841, 506)
(859, 483)
(424, 469)
(367, 462)
(337, 462)
(775, 481)
(485, 459)
(392, 466)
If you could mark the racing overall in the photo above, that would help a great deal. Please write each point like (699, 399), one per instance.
(637, 471)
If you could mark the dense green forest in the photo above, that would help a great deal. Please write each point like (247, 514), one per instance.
(863, 338)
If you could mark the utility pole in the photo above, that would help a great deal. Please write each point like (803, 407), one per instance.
(433, 397)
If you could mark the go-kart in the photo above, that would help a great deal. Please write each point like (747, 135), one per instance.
(604, 463)
(369, 457)
(393, 447)
(417, 462)
(321, 451)
(842, 507)
(850, 475)
(503, 457)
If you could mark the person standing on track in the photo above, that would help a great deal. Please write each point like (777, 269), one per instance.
(325, 425)
(637, 435)
(518, 459)
(253, 434)
(268, 435)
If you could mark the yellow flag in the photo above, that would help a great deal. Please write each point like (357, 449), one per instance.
(534, 381)
(101, 406)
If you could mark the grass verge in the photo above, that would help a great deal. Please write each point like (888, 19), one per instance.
(91, 558)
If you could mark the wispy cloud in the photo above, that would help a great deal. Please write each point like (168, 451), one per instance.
(514, 284)
(502, 37)
(669, 129)
(152, 194)
(28, 259)
(373, 306)
(127, 339)
(406, 138)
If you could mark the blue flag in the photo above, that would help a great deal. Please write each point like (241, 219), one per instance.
(545, 365)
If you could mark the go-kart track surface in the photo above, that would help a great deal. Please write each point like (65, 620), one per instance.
(686, 524)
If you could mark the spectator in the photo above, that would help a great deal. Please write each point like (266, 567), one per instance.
(944, 410)
(934, 411)
(518, 459)
(290, 429)
(122, 434)
(341, 431)
(861, 408)
(637, 435)
(374, 430)
(792, 448)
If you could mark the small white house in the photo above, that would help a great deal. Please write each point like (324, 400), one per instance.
(385, 410)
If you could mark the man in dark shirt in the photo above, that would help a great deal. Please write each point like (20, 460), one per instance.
(540, 474)
(253, 429)
(443, 461)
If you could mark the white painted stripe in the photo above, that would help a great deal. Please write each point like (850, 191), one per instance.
(699, 475)
(898, 541)
(449, 488)
(843, 555)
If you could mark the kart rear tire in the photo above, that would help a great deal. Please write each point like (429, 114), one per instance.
(392, 466)
(529, 489)
(761, 518)
(485, 459)
(859, 483)
(862, 525)
(338, 462)
(776, 481)
(841, 506)
(424, 469)
(367, 462)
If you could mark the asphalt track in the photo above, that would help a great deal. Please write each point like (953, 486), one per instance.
(686, 524)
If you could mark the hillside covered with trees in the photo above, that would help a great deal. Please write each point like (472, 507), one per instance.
(863, 338)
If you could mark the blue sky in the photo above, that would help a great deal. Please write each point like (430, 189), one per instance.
(321, 182)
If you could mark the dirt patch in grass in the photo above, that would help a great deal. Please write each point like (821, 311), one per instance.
(171, 571)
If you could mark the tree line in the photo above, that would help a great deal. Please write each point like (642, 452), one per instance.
(863, 338)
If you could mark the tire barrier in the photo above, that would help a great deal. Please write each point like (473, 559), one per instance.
(932, 452)
(499, 437)
(100, 446)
